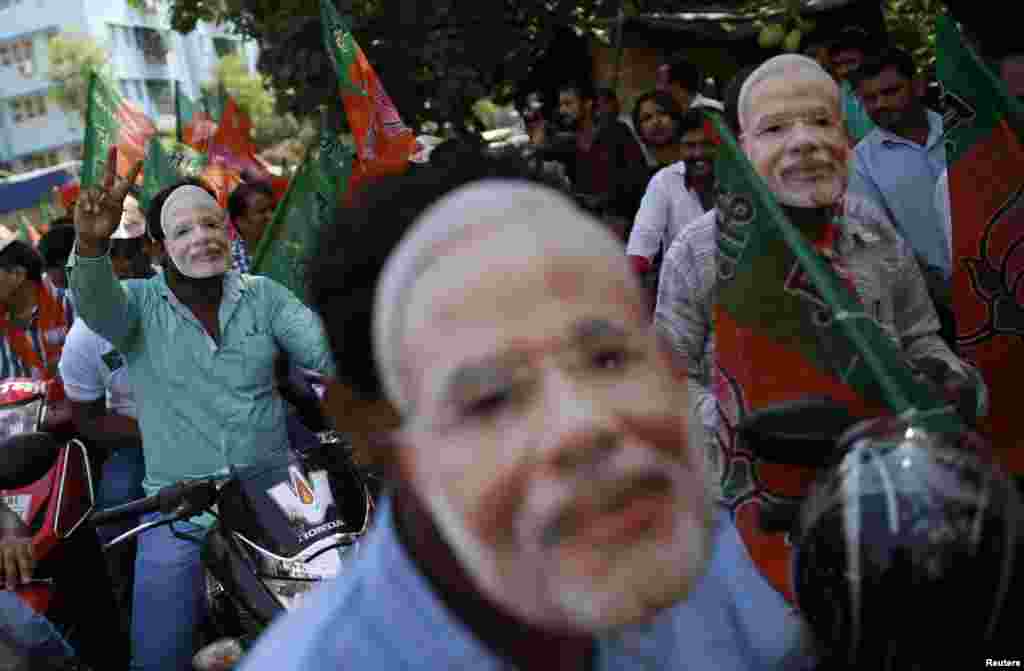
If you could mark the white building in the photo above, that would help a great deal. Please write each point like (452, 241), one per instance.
(146, 58)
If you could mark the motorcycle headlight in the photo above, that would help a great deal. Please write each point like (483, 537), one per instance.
(291, 581)
(19, 419)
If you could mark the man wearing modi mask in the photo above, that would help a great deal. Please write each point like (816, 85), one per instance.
(792, 131)
(548, 511)
(198, 343)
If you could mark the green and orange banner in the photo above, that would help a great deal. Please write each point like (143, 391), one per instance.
(110, 120)
(786, 327)
(986, 184)
(310, 203)
(383, 142)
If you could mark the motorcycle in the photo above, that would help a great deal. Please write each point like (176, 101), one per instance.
(898, 524)
(281, 528)
(47, 492)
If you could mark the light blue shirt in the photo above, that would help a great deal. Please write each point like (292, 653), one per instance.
(202, 407)
(901, 176)
(382, 613)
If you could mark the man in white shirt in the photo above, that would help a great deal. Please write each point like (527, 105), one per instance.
(102, 402)
(675, 196)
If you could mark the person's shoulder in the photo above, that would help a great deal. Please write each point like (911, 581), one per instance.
(694, 246)
(868, 143)
(700, 233)
(669, 176)
(316, 636)
(866, 219)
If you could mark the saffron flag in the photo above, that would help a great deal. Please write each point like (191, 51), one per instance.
(986, 183)
(194, 126)
(777, 338)
(109, 121)
(232, 154)
(311, 201)
(383, 142)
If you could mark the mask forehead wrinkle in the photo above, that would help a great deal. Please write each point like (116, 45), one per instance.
(505, 219)
(185, 203)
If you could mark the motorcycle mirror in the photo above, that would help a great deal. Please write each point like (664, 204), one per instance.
(802, 432)
(25, 458)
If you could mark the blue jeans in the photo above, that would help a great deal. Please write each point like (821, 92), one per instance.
(121, 483)
(169, 601)
(32, 633)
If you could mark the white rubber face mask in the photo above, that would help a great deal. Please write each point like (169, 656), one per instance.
(195, 233)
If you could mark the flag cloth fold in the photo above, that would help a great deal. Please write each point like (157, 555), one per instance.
(111, 120)
(27, 232)
(383, 142)
(986, 182)
(311, 201)
(168, 162)
(232, 154)
(786, 327)
(193, 126)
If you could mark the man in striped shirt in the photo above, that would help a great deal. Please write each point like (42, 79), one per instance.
(34, 316)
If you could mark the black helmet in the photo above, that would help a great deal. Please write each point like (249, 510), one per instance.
(907, 554)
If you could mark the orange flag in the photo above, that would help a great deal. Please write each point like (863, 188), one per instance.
(232, 153)
(383, 142)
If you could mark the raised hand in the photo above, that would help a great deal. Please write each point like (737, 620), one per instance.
(98, 211)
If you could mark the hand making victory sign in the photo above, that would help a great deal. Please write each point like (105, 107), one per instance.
(99, 209)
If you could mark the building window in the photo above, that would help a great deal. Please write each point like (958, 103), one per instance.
(162, 95)
(223, 46)
(26, 108)
(4, 4)
(19, 54)
(152, 45)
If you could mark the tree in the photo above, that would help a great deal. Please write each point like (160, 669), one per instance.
(910, 24)
(72, 57)
(253, 95)
(442, 52)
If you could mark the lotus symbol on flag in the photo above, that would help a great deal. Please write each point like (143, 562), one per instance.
(997, 273)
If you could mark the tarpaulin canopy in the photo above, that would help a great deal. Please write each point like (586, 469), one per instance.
(23, 192)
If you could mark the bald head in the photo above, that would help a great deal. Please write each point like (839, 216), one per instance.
(474, 230)
(792, 67)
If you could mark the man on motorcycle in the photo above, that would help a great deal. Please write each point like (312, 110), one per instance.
(103, 405)
(792, 131)
(34, 319)
(549, 510)
(199, 343)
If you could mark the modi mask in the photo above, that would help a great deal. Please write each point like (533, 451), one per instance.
(195, 233)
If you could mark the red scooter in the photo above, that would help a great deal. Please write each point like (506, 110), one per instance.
(46, 481)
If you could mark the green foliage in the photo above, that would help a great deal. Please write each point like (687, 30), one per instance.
(253, 95)
(72, 57)
(910, 24)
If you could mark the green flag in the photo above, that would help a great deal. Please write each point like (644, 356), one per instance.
(110, 120)
(167, 162)
(858, 123)
(767, 271)
(213, 102)
(45, 213)
(787, 327)
(312, 200)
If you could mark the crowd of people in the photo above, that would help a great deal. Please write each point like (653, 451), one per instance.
(531, 370)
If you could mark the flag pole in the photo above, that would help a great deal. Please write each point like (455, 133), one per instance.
(620, 20)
